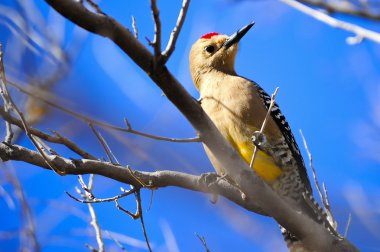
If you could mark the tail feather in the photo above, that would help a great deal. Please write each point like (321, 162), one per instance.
(318, 215)
(293, 244)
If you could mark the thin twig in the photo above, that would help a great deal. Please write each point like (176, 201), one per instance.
(157, 29)
(96, 200)
(71, 145)
(30, 229)
(326, 195)
(94, 219)
(137, 215)
(324, 198)
(91, 248)
(203, 240)
(175, 32)
(88, 191)
(134, 27)
(7, 198)
(151, 199)
(313, 169)
(359, 31)
(116, 241)
(347, 226)
(337, 7)
(45, 146)
(140, 211)
(134, 216)
(272, 101)
(101, 123)
(104, 144)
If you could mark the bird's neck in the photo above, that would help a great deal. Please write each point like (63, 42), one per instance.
(211, 80)
(212, 77)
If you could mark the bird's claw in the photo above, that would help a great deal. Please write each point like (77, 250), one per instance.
(259, 139)
(210, 178)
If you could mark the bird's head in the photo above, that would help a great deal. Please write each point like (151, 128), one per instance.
(215, 52)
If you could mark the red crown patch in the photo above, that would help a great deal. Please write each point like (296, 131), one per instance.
(209, 35)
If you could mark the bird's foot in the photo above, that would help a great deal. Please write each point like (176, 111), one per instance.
(211, 179)
(259, 139)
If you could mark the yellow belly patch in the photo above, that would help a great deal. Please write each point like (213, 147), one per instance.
(264, 164)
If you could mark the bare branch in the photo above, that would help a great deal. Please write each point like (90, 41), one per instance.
(156, 179)
(91, 248)
(7, 198)
(94, 219)
(97, 200)
(140, 212)
(336, 7)
(170, 178)
(359, 32)
(69, 144)
(203, 240)
(134, 216)
(327, 201)
(272, 101)
(313, 169)
(30, 228)
(137, 215)
(175, 32)
(116, 241)
(157, 30)
(107, 149)
(324, 198)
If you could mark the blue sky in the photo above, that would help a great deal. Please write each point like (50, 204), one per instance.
(329, 89)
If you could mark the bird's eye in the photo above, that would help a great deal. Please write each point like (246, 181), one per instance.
(210, 49)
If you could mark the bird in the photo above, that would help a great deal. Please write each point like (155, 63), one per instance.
(237, 106)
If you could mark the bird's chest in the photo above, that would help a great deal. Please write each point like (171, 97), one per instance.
(228, 106)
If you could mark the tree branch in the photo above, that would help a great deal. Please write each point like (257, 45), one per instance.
(175, 32)
(360, 32)
(201, 183)
(157, 30)
(122, 174)
(344, 7)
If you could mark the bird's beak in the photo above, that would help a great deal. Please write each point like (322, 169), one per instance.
(234, 38)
